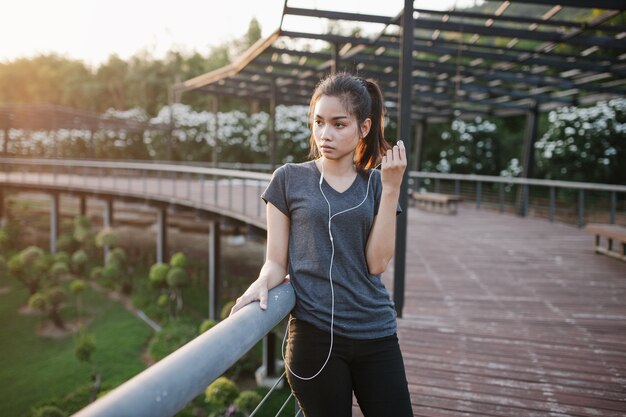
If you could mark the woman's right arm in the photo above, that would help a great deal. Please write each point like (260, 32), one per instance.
(274, 269)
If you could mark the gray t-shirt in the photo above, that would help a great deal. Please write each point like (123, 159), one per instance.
(363, 308)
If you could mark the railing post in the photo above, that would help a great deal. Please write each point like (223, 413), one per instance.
(54, 222)
(83, 205)
(479, 191)
(214, 270)
(107, 222)
(581, 208)
(501, 198)
(552, 204)
(613, 207)
(2, 218)
(161, 254)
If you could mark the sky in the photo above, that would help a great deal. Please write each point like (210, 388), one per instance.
(92, 30)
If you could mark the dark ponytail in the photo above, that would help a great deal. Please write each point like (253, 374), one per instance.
(363, 99)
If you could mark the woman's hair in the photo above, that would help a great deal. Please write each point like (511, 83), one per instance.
(363, 99)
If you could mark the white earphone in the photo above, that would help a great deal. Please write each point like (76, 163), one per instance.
(330, 274)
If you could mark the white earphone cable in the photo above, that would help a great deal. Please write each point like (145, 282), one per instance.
(330, 276)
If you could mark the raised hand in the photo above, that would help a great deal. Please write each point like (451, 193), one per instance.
(393, 167)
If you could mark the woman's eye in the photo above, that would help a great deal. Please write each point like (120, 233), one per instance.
(339, 125)
(318, 123)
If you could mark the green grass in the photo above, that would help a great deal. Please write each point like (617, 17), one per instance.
(35, 370)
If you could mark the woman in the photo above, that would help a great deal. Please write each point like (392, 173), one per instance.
(331, 227)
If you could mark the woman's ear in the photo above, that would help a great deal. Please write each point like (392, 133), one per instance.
(365, 127)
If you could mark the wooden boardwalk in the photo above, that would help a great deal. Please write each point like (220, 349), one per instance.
(509, 316)
(504, 316)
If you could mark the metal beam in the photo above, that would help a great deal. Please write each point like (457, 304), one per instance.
(161, 246)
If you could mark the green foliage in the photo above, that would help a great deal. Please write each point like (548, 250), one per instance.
(111, 272)
(77, 286)
(79, 260)
(106, 238)
(96, 273)
(118, 255)
(4, 238)
(173, 335)
(55, 296)
(178, 260)
(85, 346)
(66, 243)
(48, 411)
(206, 325)
(221, 392)
(4, 266)
(177, 277)
(226, 309)
(31, 255)
(163, 300)
(62, 257)
(248, 400)
(158, 275)
(58, 271)
(37, 301)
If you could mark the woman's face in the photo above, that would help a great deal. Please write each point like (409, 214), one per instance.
(335, 130)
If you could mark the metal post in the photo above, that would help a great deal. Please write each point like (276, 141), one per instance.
(552, 204)
(161, 254)
(479, 192)
(3, 221)
(334, 65)
(54, 222)
(530, 137)
(272, 130)
(404, 123)
(83, 205)
(581, 208)
(107, 222)
(216, 147)
(613, 206)
(269, 354)
(214, 264)
(501, 198)
(420, 131)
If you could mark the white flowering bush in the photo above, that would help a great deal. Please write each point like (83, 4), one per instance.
(585, 144)
(468, 148)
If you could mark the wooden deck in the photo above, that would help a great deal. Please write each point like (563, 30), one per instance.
(509, 316)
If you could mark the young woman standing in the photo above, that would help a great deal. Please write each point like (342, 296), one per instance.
(331, 227)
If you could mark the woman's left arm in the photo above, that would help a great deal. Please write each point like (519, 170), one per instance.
(382, 239)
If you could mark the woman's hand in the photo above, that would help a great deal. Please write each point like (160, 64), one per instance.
(393, 166)
(256, 291)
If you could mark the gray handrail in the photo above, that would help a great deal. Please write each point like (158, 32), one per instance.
(167, 386)
(521, 181)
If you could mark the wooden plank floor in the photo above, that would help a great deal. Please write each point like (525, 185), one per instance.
(507, 316)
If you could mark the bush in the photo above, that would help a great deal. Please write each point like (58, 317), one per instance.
(85, 347)
(66, 243)
(62, 257)
(158, 275)
(173, 335)
(79, 260)
(178, 260)
(77, 286)
(247, 401)
(221, 392)
(59, 270)
(96, 273)
(106, 238)
(37, 301)
(177, 277)
(206, 325)
(118, 255)
(163, 300)
(48, 411)
(226, 309)
(31, 255)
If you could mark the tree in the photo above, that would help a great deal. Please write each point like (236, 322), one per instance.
(49, 303)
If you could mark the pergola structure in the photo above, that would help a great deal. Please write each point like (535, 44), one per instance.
(53, 117)
(510, 58)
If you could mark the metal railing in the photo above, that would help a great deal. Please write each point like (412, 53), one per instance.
(170, 384)
(567, 201)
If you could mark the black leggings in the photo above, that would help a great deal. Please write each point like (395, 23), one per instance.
(373, 369)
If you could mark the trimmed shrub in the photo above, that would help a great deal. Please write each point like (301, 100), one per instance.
(247, 401)
(158, 275)
(206, 325)
(177, 277)
(222, 392)
(179, 260)
(226, 309)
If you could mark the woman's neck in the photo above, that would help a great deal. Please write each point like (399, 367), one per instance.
(336, 168)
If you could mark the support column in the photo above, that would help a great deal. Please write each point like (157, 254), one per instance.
(107, 223)
(420, 131)
(335, 58)
(214, 270)
(216, 147)
(83, 205)
(54, 222)
(161, 254)
(3, 220)
(404, 123)
(272, 132)
(528, 157)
